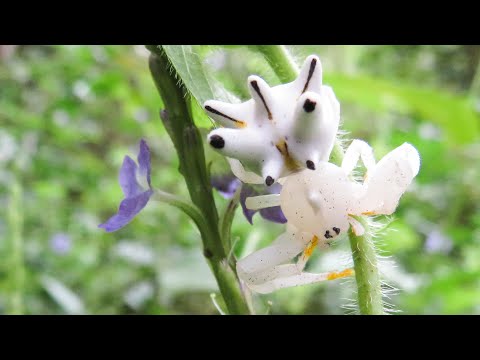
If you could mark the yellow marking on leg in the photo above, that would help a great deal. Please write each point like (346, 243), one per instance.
(311, 246)
(290, 163)
(240, 124)
(365, 177)
(338, 275)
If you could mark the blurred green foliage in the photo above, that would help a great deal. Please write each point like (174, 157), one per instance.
(68, 115)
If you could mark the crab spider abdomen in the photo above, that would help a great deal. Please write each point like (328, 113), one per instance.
(317, 201)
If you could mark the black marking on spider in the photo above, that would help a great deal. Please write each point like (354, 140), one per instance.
(327, 235)
(309, 105)
(313, 64)
(214, 111)
(217, 141)
(337, 230)
(257, 89)
(310, 165)
(269, 180)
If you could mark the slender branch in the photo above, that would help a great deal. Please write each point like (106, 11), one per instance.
(363, 249)
(187, 207)
(186, 137)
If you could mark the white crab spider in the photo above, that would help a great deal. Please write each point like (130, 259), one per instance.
(320, 206)
(281, 129)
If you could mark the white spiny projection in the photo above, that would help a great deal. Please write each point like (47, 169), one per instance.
(281, 130)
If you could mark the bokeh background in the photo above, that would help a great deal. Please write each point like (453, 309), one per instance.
(69, 114)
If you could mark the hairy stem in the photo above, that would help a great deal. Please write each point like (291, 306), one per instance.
(188, 143)
(366, 272)
(363, 250)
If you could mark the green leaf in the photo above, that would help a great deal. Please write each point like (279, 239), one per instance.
(197, 80)
(454, 113)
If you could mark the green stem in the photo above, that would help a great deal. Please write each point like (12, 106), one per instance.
(363, 249)
(366, 272)
(280, 60)
(187, 207)
(226, 225)
(186, 137)
(474, 91)
(15, 224)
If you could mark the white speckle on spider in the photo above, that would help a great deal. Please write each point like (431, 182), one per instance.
(279, 131)
(319, 206)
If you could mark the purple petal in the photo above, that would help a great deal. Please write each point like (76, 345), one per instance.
(247, 191)
(61, 243)
(437, 242)
(225, 184)
(144, 161)
(274, 214)
(274, 189)
(128, 179)
(129, 207)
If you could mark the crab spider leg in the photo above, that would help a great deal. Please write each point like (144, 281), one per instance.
(283, 249)
(297, 280)
(262, 201)
(284, 270)
(264, 272)
(243, 175)
(358, 149)
(302, 260)
(389, 180)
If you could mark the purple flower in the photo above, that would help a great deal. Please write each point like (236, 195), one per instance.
(136, 197)
(437, 242)
(228, 184)
(61, 243)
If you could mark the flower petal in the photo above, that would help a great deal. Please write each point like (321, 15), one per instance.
(127, 210)
(274, 214)
(127, 178)
(144, 161)
(247, 191)
(225, 184)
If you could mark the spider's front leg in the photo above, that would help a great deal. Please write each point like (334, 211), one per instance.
(267, 270)
(266, 273)
(243, 175)
(358, 149)
(387, 181)
(258, 269)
